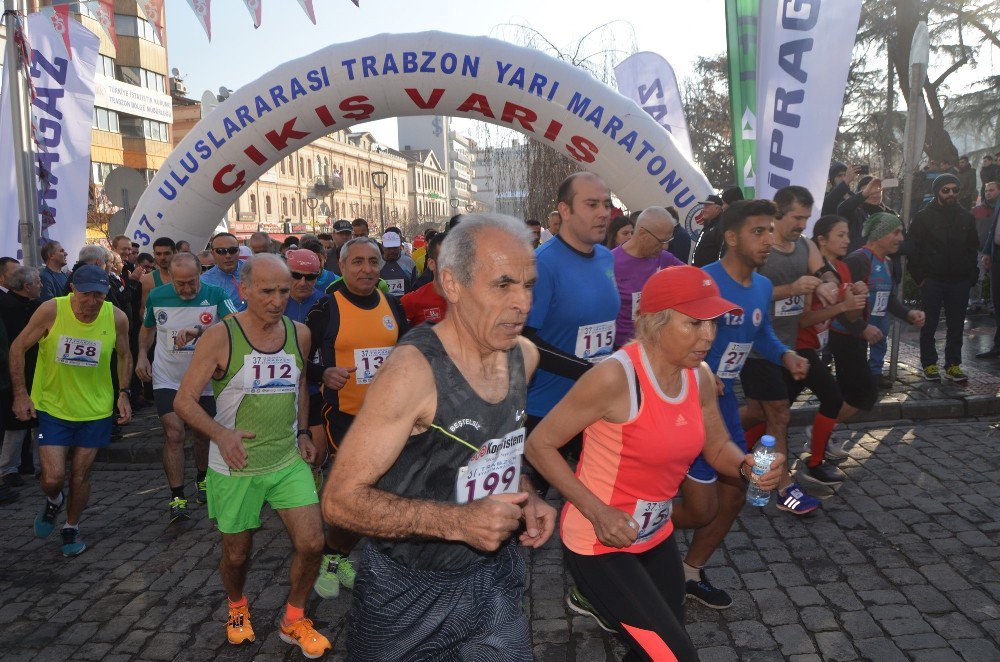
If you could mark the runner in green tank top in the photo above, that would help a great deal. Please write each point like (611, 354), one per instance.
(260, 442)
(72, 392)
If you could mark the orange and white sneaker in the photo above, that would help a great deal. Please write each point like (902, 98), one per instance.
(304, 635)
(238, 629)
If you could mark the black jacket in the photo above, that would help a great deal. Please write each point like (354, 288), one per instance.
(856, 211)
(945, 245)
(709, 248)
(834, 197)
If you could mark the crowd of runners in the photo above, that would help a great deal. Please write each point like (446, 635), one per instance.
(425, 402)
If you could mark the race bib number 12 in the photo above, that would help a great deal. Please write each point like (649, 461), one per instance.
(78, 352)
(495, 469)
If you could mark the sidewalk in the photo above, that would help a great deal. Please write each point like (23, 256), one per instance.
(911, 398)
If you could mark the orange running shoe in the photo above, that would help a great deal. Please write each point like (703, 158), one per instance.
(238, 629)
(304, 635)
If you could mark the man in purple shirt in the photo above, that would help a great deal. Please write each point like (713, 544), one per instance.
(636, 260)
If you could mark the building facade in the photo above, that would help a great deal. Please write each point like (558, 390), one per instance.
(428, 203)
(453, 151)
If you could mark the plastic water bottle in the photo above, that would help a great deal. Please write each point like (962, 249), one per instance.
(763, 456)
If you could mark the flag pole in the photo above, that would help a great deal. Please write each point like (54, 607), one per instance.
(18, 95)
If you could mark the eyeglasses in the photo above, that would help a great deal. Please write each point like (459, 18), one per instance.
(950, 189)
(662, 243)
(232, 250)
(297, 276)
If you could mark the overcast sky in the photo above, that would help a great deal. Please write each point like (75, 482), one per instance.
(239, 54)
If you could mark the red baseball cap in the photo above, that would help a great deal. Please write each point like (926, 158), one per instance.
(303, 261)
(688, 290)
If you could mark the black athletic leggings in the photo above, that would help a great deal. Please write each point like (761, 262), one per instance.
(642, 594)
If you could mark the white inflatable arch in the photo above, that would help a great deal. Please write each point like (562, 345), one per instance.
(392, 75)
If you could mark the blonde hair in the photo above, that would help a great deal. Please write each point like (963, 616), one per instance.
(649, 325)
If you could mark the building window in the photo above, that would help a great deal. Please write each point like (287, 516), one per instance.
(106, 66)
(309, 167)
(302, 166)
(294, 210)
(106, 120)
(134, 127)
(253, 203)
(133, 26)
(284, 206)
(267, 205)
(281, 166)
(141, 78)
(148, 173)
(100, 171)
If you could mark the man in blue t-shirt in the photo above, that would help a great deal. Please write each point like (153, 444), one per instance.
(575, 299)
(748, 232)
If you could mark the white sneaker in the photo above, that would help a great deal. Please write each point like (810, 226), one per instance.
(833, 453)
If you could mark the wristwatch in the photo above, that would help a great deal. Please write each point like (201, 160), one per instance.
(126, 391)
(304, 431)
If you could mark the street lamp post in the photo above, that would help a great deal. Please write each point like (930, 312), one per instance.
(380, 178)
(312, 201)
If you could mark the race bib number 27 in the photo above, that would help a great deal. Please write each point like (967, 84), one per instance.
(733, 358)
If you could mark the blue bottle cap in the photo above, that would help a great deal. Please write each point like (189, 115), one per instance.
(767, 440)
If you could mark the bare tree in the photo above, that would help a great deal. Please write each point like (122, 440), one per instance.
(706, 107)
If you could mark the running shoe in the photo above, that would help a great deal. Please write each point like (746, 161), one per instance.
(46, 520)
(932, 373)
(954, 373)
(304, 635)
(703, 591)
(201, 493)
(832, 454)
(72, 542)
(826, 473)
(794, 500)
(345, 571)
(178, 510)
(327, 584)
(238, 628)
(581, 605)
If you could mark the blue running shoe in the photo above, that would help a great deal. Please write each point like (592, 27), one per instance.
(72, 542)
(794, 500)
(46, 520)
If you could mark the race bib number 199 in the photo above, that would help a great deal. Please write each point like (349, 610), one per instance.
(78, 352)
(733, 359)
(495, 469)
(595, 339)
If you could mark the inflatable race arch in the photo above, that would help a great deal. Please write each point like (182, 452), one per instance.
(426, 73)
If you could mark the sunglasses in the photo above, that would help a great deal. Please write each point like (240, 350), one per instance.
(297, 276)
(232, 250)
(950, 189)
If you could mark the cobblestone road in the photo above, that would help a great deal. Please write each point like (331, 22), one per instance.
(902, 563)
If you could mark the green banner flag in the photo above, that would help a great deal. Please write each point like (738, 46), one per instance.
(741, 39)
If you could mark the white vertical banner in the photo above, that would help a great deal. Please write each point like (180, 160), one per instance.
(62, 114)
(649, 80)
(803, 57)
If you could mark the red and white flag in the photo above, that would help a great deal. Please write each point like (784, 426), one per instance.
(203, 8)
(106, 17)
(307, 7)
(153, 9)
(60, 21)
(253, 6)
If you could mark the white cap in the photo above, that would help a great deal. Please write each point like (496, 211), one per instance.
(391, 240)
(245, 251)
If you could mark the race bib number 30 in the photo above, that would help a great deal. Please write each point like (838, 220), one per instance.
(496, 469)
(595, 339)
(651, 516)
(793, 305)
(733, 359)
(78, 352)
(368, 361)
(270, 373)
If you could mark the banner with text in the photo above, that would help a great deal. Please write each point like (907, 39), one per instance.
(132, 99)
(649, 80)
(741, 40)
(62, 113)
(400, 75)
(803, 56)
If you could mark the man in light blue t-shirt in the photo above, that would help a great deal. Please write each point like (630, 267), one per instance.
(575, 300)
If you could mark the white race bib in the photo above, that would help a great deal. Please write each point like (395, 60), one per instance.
(881, 304)
(733, 358)
(396, 286)
(651, 516)
(793, 305)
(182, 349)
(595, 339)
(368, 361)
(823, 337)
(635, 304)
(270, 373)
(496, 469)
(78, 352)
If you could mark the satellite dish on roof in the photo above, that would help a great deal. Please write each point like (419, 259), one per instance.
(224, 93)
(175, 72)
(209, 102)
(123, 186)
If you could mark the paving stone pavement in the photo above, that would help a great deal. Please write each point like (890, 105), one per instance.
(901, 563)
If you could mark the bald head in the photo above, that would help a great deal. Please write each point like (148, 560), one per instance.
(266, 266)
(653, 230)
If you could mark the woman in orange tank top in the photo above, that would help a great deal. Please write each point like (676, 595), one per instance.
(645, 413)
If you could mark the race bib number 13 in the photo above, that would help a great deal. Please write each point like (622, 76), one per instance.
(78, 352)
(368, 361)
